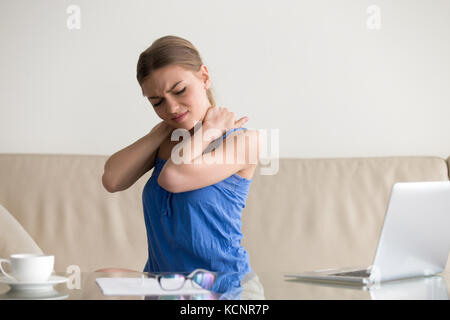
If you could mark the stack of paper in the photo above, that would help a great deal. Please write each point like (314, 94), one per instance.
(142, 287)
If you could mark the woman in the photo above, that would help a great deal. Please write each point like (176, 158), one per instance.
(192, 209)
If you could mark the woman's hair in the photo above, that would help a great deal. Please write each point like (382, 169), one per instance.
(170, 50)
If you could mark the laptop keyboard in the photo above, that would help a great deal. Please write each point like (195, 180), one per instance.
(357, 273)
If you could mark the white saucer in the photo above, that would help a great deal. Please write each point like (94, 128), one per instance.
(33, 295)
(47, 285)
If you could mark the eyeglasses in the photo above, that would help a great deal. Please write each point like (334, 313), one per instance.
(200, 278)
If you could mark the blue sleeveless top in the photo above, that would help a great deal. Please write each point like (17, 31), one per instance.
(195, 229)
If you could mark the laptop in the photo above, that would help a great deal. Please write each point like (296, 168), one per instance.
(414, 240)
(420, 288)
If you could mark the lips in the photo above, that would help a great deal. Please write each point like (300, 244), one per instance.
(180, 117)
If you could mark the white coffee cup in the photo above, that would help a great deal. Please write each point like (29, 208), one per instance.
(27, 267)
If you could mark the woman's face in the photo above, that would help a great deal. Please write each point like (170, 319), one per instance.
(174, 91)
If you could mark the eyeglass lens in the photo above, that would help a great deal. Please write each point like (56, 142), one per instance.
(204, 280)
(171, 281)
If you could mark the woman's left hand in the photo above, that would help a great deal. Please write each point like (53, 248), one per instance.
(222, 119)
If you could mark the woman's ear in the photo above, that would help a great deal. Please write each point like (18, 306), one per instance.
(205, 77)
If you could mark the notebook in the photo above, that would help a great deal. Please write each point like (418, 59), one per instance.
(142, 287)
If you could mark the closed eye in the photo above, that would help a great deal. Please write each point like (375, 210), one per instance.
(177, 93)
(181, 91)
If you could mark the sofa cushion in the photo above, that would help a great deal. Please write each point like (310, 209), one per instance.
(13, 237)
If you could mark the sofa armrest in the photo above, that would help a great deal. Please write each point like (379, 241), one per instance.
(13, 237)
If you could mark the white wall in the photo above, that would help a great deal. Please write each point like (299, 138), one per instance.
(313, 69)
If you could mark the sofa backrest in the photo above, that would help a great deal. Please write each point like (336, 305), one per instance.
(313, 213)
(324, 213)
(61, 202)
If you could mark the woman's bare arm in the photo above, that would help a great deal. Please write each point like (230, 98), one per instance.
(126, 166)
(238, 151)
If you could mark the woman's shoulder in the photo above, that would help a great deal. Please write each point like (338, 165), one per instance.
(252, 133)
(251, 140)
(165, 148)
(247, 136)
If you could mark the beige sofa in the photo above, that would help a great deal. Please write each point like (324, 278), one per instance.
(314, 213)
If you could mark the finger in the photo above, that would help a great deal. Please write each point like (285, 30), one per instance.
(241, 122)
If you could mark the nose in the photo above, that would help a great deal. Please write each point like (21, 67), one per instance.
(172, 106)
